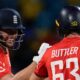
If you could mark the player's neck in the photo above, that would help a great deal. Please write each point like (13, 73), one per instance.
(73, 35)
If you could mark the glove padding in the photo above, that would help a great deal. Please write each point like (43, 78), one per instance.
(41, 52)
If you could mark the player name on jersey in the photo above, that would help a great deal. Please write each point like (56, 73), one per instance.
(64, 52)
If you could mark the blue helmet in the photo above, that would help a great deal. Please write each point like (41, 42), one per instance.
(68, 20)
(10, 19)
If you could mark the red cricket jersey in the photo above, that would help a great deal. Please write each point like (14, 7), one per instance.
(5, 67)
(62, 61)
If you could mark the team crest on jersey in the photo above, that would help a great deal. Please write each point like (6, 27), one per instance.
(15, 19)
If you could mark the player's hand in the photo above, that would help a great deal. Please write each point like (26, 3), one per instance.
(41, 52)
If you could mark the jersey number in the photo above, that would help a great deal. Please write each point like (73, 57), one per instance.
(59, 63)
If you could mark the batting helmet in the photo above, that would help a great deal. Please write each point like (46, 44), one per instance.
(10, 19)
(68, 20)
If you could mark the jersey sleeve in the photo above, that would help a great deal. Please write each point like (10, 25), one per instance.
(41, 69)
(5, 67)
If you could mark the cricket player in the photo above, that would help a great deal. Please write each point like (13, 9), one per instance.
(10, 33)
(62, 60)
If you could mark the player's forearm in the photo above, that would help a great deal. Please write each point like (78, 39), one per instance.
(7, 77)
(25, 73)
